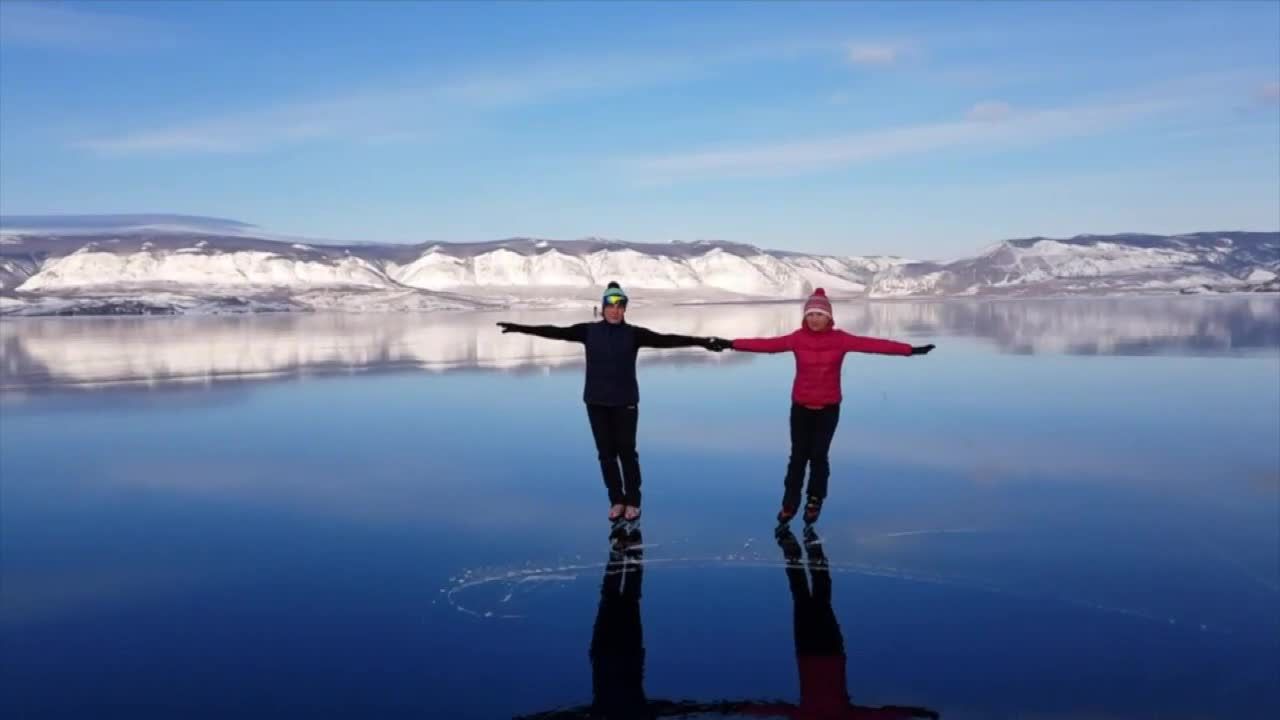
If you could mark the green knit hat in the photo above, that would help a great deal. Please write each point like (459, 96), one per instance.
(613, 295)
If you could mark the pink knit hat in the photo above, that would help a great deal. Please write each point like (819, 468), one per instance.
(818, 303)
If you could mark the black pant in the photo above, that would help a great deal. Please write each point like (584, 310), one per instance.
(614, 429)
(811, 433)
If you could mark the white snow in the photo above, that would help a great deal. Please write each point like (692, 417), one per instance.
(433, 271)
(752, 275)
(87, 268)
(380, 301)
(760, 275)
(895, 283)
(848, 275)
(1063, 260)
(1050, 264)
(558, 275)
(500, 267)
(557, 269)
(633, 269)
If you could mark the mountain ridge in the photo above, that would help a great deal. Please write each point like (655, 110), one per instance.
(214, 258)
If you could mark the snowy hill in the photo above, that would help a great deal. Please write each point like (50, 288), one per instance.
(1090, 264)
(161, 263)
(590, 264)
(43, 270)
(839, 275)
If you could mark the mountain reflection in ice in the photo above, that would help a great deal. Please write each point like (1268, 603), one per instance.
(43, 352)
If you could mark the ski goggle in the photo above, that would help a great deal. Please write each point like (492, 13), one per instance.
(615, 299)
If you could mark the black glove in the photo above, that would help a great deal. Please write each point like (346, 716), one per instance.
(921, 349)
(717, 344)
(509, 327)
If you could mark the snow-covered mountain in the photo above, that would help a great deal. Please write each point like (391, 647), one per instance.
(589, 264)
(126, 269)
(158, 263)
(839, 275)
(1091, 264)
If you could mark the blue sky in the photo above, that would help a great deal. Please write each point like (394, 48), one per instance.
(919, 129)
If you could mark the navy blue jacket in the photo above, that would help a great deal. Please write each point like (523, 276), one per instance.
(611, 355)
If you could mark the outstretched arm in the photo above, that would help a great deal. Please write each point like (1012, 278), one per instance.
(782, 343)
(857, 343)
(649, 338)
(573, 333)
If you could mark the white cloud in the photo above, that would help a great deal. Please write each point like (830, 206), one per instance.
(989, 111)
(59, 27)
(394, 138)
(876, 53)
(397, 113)
(800, 156)
(227, 138)
(251, 131)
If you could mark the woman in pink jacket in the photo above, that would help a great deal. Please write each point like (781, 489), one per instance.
(815, 395)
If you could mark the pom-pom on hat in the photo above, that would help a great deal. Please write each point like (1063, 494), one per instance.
(818, 303)
(613, 295)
